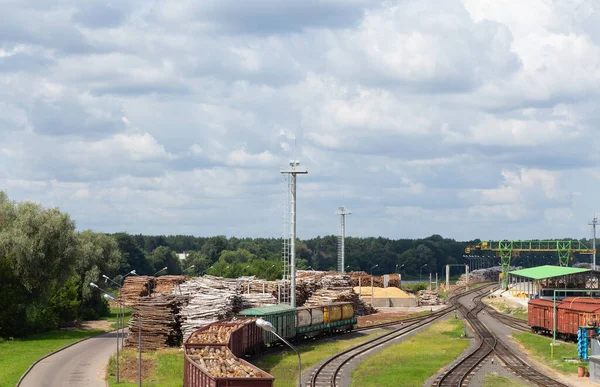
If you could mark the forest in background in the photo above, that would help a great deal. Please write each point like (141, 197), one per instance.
(46, 265)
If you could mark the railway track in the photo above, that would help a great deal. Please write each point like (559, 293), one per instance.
(508, 320)
(489, 343)
(327, 375)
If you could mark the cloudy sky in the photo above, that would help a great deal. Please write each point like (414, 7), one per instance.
(469, 119)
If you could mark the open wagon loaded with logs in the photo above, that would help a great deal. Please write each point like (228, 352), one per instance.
(217, 366)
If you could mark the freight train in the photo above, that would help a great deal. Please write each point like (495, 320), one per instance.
(571, 313)
(213, 354)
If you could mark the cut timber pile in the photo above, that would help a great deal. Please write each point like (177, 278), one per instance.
(255, 300)
(365, 279)
(428, 298)
(221, 363)
(491, 274)
(346, 294)
(159, 322)
(166, 283)
(134, 288)
(209, 299)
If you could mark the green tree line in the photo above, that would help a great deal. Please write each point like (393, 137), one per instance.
(46, 265)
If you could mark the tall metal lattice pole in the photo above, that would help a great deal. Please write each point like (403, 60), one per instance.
(292, 171)
(593, 223)
(341, 247)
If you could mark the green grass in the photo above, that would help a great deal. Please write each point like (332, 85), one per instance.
(539, 346)
(165, 368)
(112, 317)
(500, 381)
(411, 363)
(17, 355)
(284, 365)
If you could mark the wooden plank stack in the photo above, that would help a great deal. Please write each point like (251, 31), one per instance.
(160, 322)
(134, 288)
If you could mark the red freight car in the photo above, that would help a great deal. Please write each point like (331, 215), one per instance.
(583, 300)
(572, 315)
(243, 337)
(196, 375)
(251, 336)
(540, 314)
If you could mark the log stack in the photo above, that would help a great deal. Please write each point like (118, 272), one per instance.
(428, 298)
(209, 299)
(160, 322)
(342, 294)
(378, 281)
(166, 283)
(134, 288)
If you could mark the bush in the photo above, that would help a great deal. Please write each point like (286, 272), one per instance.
(414, 287)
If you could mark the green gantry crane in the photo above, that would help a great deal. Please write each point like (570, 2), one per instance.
(508, 249)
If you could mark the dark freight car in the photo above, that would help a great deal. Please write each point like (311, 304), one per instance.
(283, 318)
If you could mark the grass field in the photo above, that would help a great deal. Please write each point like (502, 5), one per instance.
(500, 381)
(112, 317)
(163, 368)
(284, 365)
(17, 355)
(539, 347)
(411, 363)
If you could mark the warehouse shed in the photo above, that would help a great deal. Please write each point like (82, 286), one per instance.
(541, 281)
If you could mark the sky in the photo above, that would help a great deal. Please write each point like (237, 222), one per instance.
(469, 119)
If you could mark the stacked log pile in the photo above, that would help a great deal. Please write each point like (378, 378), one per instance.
(160, 322)
(134, 288)
(428, 298)
(378, 281)
(341, 294)
(166, 283)
(259, 299)
(491, 274)
(209, 299)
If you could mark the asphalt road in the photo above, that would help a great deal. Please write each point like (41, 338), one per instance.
(81, 365)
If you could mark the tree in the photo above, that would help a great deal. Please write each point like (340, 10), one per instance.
(133, 256)
(201, 263)
(165, 257)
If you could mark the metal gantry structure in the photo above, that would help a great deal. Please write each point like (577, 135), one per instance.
(506, 249)
(342, 212)
(289, 237)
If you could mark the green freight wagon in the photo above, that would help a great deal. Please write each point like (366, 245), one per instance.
(283, 318)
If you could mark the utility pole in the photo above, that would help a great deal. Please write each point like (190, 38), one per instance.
(593, 223)
(292, 171)
(341, 247)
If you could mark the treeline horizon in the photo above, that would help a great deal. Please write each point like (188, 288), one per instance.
(46, 265)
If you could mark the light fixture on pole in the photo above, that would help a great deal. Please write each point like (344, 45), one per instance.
(189, 268)
(399, 276)
(109, 297)
(420, 272)
(160, 271)
(372, 283)
(267, 326)
(121, 314)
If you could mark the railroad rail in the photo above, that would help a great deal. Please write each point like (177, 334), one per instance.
(508, 320)
(326, 375)
(489, 343)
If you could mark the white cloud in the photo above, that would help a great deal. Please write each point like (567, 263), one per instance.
(464, 118)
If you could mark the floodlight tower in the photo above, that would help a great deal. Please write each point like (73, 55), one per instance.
(593, 223)
(293, 170)
(341, 248)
